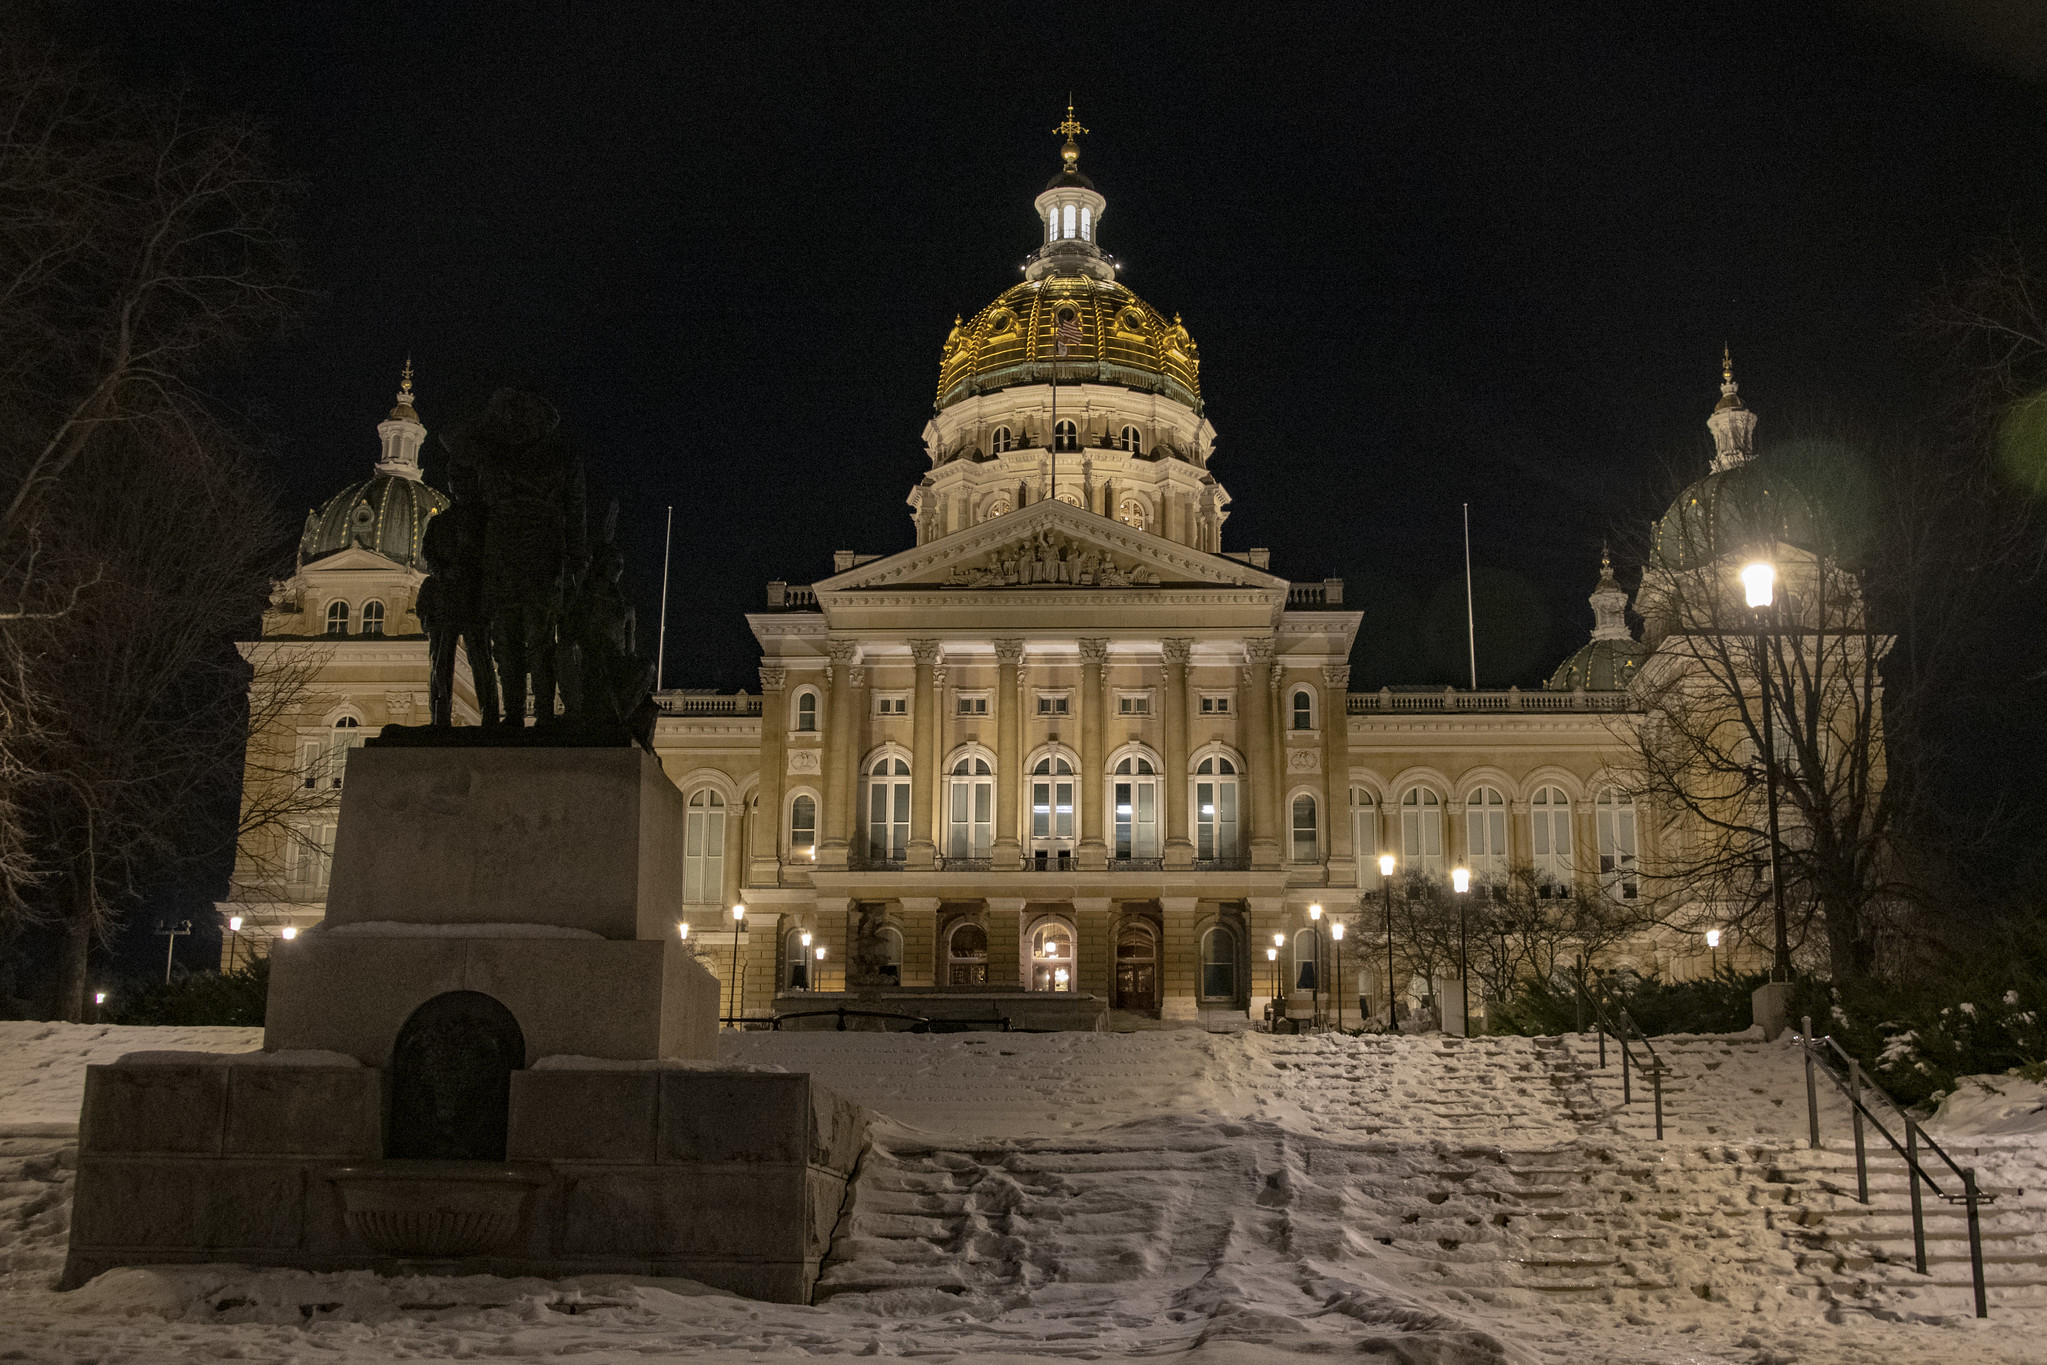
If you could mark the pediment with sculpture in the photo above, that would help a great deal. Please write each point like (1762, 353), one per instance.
(1049, 559)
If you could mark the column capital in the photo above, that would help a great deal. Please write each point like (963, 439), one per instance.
(1177, 652)
(1258, 650)
(773, 678)
(1094, 651)
(1009, 652)
(924, 651)
(842, 651)
(1336, 676)
(857, 677)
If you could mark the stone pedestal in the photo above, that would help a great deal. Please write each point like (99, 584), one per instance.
(1772, 1005)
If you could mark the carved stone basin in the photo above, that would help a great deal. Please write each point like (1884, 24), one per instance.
(435, 1209)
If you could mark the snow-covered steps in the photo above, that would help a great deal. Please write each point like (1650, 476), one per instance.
(1404, 1088)
(1716, 1088)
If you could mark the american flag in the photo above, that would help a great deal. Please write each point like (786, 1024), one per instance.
(1068, 331)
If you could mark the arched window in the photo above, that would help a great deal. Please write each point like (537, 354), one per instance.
(1215, 808)
(337, 618)
(888, 810)
(795, 961)
(1001, 442)
(1134, 802)
(966, 956)
(1218, 964)
(1364, 835)
(373, 617)
(1305, 944)
(1615, 814)
(347, 735)
(970, 806)
(891, 964)
(1131, 513)
(803, 829)
(1306, 845)
(703, 849)
(1066, 436)
(997, 506)
(1052, 808)
(1052, 957)
(1087, 224)
(1137, 967)
(1549, 818)
(1132, 440)
(1421, 831)
(1067, 215)
(1485, 835)
(806, 712)
(1304, 709)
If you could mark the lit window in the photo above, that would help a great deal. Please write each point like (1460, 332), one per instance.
(1052, 962)
(1421, 832)
(806, 713)
(1052, 807)
(1087, 225)
(703, 849)
(1549, 816)
(337, 618)
(373, 617)
(1215, 809)
(1131, 513)
(1304, 711)
(1615, 814)
(1134, 802)
(997, 506)
(1485, 835)
(803, 828)
(1068, 218)
(888, 810)
(1305, 844)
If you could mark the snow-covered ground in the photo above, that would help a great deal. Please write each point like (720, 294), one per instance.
(1237, 1198)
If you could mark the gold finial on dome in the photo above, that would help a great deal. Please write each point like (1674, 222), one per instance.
(404, 411)
(1726, 364)
(1069, 130)
(1730, 392)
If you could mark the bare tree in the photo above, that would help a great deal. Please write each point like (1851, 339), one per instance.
(279, 791)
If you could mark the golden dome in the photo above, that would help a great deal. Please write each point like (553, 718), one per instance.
(1123, 340)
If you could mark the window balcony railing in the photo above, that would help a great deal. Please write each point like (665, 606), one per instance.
(1046, 861)
(1137, 864)
(965, 864)
(866, 863)
(1237, 863)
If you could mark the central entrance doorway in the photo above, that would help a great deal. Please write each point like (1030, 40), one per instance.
(1137, 968)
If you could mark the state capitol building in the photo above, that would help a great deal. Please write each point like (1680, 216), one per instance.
(1069, 752)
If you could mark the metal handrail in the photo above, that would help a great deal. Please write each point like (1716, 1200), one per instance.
(1655, 1070)
(1970, 1197)
(920, 1024)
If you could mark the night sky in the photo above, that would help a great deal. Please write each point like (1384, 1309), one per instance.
(1432, 254)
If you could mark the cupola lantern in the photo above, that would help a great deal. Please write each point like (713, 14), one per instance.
(1070, 211)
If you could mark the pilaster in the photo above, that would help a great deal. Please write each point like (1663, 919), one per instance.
(924, 796)
(1343, 857)
(1005, 937)
(1179, 709)
(1094, 948)
(835, 839)
(1007, 851)
(765, 857)
(1261, 682)
(1179, 958)
(1092, 850)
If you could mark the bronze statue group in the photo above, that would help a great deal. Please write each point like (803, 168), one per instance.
(514, 579)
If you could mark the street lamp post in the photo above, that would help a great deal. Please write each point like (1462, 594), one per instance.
(1713, 949)
(234, 934)
(1759, 583)
(1278, 979)
(1315, 986)
(1336, 952)
(1386, 885)
(170, 934)
(1460, 882)
(808, 984)
(738, 981)
(1272, 956)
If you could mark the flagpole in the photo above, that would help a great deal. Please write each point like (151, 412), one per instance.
(661, 657)
(1470, 623)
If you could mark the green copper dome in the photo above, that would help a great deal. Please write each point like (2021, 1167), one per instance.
(1599, 666)
(385, 513)
(1733, 511)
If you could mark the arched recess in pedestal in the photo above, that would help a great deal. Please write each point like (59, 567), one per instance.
(451, 1079)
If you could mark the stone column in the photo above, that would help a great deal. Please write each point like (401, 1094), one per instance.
(1005, 940)
(1343, 858)
(1093, 848)
(1261, 756)
(1179, 714)
(1007, 851)
(923, 851)
(1179, 958)
(766, 853)
(836, 819)
(1094, 955)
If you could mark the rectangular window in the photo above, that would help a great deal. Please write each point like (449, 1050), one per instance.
(1052, 703)
(1134, 704)
(309, 856)
(891, 705)
(1215, 706)
(971, 704)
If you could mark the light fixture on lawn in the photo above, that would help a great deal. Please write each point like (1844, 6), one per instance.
(1759, 583)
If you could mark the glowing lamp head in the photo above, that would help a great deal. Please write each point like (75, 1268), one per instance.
(1272, 954)
(682, 928)
(234, 924)
(1279, 940)
(1315, 912)
(806, 938)
(1759, 582)
(99, 997)
(288, 932)
(820, 954)
(1460, 879)
(738, 913)
(1385, 864)
(1712, 938)
(1336, 930)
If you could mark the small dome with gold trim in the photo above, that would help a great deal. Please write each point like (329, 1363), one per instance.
(1123, 341)
(385, 513)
